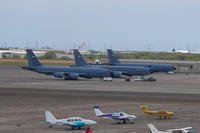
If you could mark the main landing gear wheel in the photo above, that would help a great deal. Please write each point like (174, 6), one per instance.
(124, 122)
(127, 79)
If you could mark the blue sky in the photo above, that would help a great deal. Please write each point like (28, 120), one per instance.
(120, 24)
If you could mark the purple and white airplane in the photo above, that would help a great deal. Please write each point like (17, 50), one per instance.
(117, 116)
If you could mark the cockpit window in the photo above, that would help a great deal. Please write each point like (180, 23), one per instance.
(77, 119)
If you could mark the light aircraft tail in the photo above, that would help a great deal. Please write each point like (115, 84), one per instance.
(144, 108)
(50, 117)
(32, 59)
(79, 59)
(152, 128)
(98, 111)
(112, 59)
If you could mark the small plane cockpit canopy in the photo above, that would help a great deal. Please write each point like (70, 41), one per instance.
(118, 114)
(74, 119)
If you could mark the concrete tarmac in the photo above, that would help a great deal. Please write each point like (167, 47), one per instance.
(24, 96)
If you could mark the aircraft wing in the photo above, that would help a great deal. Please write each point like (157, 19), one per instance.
(66, 75)
(186, 128)
(107, 115)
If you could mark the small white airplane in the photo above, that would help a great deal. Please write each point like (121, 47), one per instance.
(117, 116)
(73, 122)
(153, 129)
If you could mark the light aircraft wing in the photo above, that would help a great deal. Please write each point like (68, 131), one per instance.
(107, 115)
(186, 128)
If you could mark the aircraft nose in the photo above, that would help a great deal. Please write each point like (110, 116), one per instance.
(91, 122)
(170, 113)
(134, 116)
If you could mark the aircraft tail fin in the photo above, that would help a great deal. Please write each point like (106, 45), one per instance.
(112, 59)
(144, 108)
(79, 59)
(98, 111)
(152, 128)
(50, 117)
(32, 59)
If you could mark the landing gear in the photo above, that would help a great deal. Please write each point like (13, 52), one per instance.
(124, 121)
(50, 126)
(164, 117)
(127, 79)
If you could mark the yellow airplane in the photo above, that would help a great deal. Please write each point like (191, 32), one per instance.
(161, 114)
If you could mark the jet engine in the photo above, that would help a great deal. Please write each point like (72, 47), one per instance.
(66, 76)
(58, 74)
(116, 74)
